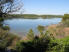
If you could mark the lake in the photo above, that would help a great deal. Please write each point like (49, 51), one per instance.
(21, 26)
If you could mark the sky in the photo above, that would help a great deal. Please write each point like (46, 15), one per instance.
(58, 7)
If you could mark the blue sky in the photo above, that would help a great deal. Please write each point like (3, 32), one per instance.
(58, 7)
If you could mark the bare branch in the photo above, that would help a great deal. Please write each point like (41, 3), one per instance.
(10, 6)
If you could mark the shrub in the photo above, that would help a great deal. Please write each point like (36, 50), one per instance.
(1, 24)
(1, 19)
(30, 34)
(6, 28)
(41, 29)
(37, 44)
(65, 17)
(66, 49)
(7, 40)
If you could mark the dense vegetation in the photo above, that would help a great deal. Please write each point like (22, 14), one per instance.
(45, 42)
(7, 40)
(65, 20)
(50, 16)
(66, 16)
(32, 16)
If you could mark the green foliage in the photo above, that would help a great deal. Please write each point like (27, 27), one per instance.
(65, 20)
(46, 43)
(1, 24)
(32, 16)
(66, 49)
(6, 39)
(50, 16)
(6, 27)
(41, 29)
(37, 44)
(26, 16)
(66, 16)
(63, 45)
(1, 19)
(30, 34)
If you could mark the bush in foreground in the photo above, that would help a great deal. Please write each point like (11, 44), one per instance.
(37, 44)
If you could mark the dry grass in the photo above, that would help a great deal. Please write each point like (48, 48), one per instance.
(58, 31)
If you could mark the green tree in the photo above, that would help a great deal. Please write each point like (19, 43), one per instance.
(30, 34)
(41, 29)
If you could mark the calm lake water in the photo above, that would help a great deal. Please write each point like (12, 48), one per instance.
(21, 26)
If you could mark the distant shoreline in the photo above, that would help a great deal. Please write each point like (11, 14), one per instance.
(32, 16)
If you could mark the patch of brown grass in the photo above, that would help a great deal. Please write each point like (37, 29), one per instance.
(58, 31)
